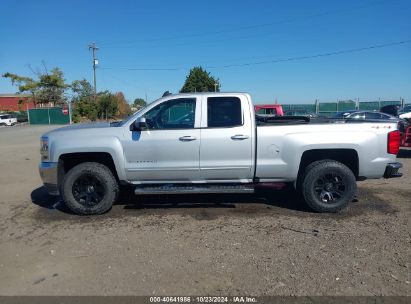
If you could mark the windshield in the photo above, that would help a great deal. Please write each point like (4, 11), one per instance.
(344, 114)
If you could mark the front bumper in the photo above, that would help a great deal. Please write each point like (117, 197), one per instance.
(48, 173)
(392, 170)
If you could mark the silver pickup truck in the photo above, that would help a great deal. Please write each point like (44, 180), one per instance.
(213, 143)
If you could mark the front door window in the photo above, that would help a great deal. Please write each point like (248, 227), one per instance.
(173, 114)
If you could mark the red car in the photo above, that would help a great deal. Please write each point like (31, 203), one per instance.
(268, 110)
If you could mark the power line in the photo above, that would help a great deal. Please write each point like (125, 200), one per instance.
(249, 27)
(141, 69)
(354, 50)
(315, 56)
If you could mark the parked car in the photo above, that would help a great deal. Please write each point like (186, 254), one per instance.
(300, 113)
(356, 114)
(7, 120)
(406, 109)
(372, 115)
(390, 109)
(22, 117)
(87, 163)
(405, 112)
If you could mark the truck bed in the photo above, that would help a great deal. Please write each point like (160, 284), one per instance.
(297, 120)
(281, 143)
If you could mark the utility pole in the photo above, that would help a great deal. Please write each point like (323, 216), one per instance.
(94, 49)
(215, 87)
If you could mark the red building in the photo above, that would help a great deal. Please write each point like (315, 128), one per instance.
(13, 102)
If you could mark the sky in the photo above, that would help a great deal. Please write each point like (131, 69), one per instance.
(292, 51)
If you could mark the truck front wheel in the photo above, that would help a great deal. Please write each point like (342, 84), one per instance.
(328, 186)
(89, 188)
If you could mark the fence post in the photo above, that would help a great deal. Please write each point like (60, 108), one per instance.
(48, 113)
(69, 109)
(28, 113)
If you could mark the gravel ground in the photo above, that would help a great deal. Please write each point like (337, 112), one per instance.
(261, 244)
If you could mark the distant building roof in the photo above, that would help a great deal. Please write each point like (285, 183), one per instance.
(14, 95)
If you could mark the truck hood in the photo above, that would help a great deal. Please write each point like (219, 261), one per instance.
(83, 126)
(77, 127)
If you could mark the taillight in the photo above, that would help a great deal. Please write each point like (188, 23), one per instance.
(393, 142)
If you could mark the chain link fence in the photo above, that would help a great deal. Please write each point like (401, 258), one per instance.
(330, 108)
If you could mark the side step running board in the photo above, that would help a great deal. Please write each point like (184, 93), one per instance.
(193, 189)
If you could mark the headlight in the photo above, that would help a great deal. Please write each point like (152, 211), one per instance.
(44, 148)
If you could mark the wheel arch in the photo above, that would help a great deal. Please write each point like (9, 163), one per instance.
(348, 157)
(69, 160)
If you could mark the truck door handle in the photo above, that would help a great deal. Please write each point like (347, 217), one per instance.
(239, 137)
(187, 138)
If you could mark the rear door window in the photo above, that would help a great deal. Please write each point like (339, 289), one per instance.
(267, 111)
(224, 112)
(369, 115)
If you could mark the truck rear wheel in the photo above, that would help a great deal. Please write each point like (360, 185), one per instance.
(328, 186)
(89, 188)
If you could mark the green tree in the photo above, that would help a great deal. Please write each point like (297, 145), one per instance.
(52, 87)
(83, 101)
(139, 102)
(107, 105)
(48, 88)
(24, 84)
(82, 89)
(199, 80)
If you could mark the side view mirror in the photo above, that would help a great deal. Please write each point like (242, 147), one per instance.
(139, 124)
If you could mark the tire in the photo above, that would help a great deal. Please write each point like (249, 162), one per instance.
(89, 188)
(327, 186)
